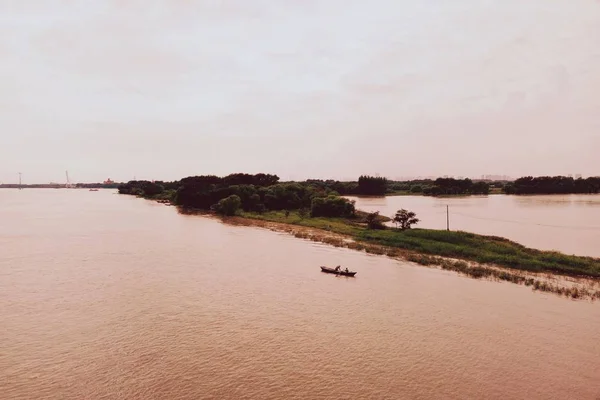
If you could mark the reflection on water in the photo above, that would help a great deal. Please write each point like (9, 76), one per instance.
(567, 223)
(110, 297)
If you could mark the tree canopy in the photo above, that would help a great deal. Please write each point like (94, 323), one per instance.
(451, 186)
(229, 205)
(257, 193)
(332, 206)
(405, 219)
(553, 185)
(371, 185)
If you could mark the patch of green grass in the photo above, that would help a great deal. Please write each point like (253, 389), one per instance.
(461, 245)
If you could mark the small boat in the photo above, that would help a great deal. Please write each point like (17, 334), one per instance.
(93, 190)
(337, 272)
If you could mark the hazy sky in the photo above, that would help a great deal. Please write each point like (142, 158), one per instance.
(301, 88)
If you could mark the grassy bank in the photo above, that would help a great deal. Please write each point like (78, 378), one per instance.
(459, 245)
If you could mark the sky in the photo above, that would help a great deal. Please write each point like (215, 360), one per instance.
(301, 88)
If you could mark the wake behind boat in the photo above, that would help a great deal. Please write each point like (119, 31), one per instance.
(338, 271)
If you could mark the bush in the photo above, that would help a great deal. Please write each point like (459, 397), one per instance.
(229, 205)
(332, 206)
(399, 187)
(373, 221)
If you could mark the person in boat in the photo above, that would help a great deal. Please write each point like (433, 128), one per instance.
(347, 270)
(337, 268)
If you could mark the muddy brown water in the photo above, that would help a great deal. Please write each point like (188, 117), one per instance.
(111, 297)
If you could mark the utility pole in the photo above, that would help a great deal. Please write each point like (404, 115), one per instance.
(447, 218)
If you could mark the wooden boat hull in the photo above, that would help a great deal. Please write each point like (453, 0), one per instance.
(340, 272)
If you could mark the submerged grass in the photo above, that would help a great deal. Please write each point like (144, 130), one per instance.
(458, 245)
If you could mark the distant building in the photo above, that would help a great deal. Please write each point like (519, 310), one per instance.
(108, 181)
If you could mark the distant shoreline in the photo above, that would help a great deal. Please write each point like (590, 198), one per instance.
(390, 194)
(61, 186)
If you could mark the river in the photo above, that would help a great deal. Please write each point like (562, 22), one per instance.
(567, 223)
(105, 296)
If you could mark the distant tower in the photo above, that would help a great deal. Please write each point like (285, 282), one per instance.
(68, 185)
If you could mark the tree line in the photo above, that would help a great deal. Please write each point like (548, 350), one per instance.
(553, 185)
(262, 192)
(366, 185)
(451, 186)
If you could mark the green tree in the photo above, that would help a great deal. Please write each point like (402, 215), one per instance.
(372, 185)
(480, 188)
(332, 206)
(246, 193)
(254, 203)
(229, 205)
(405, 219)
(373, 221)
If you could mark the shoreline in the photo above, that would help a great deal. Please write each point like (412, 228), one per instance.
(576, 287)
